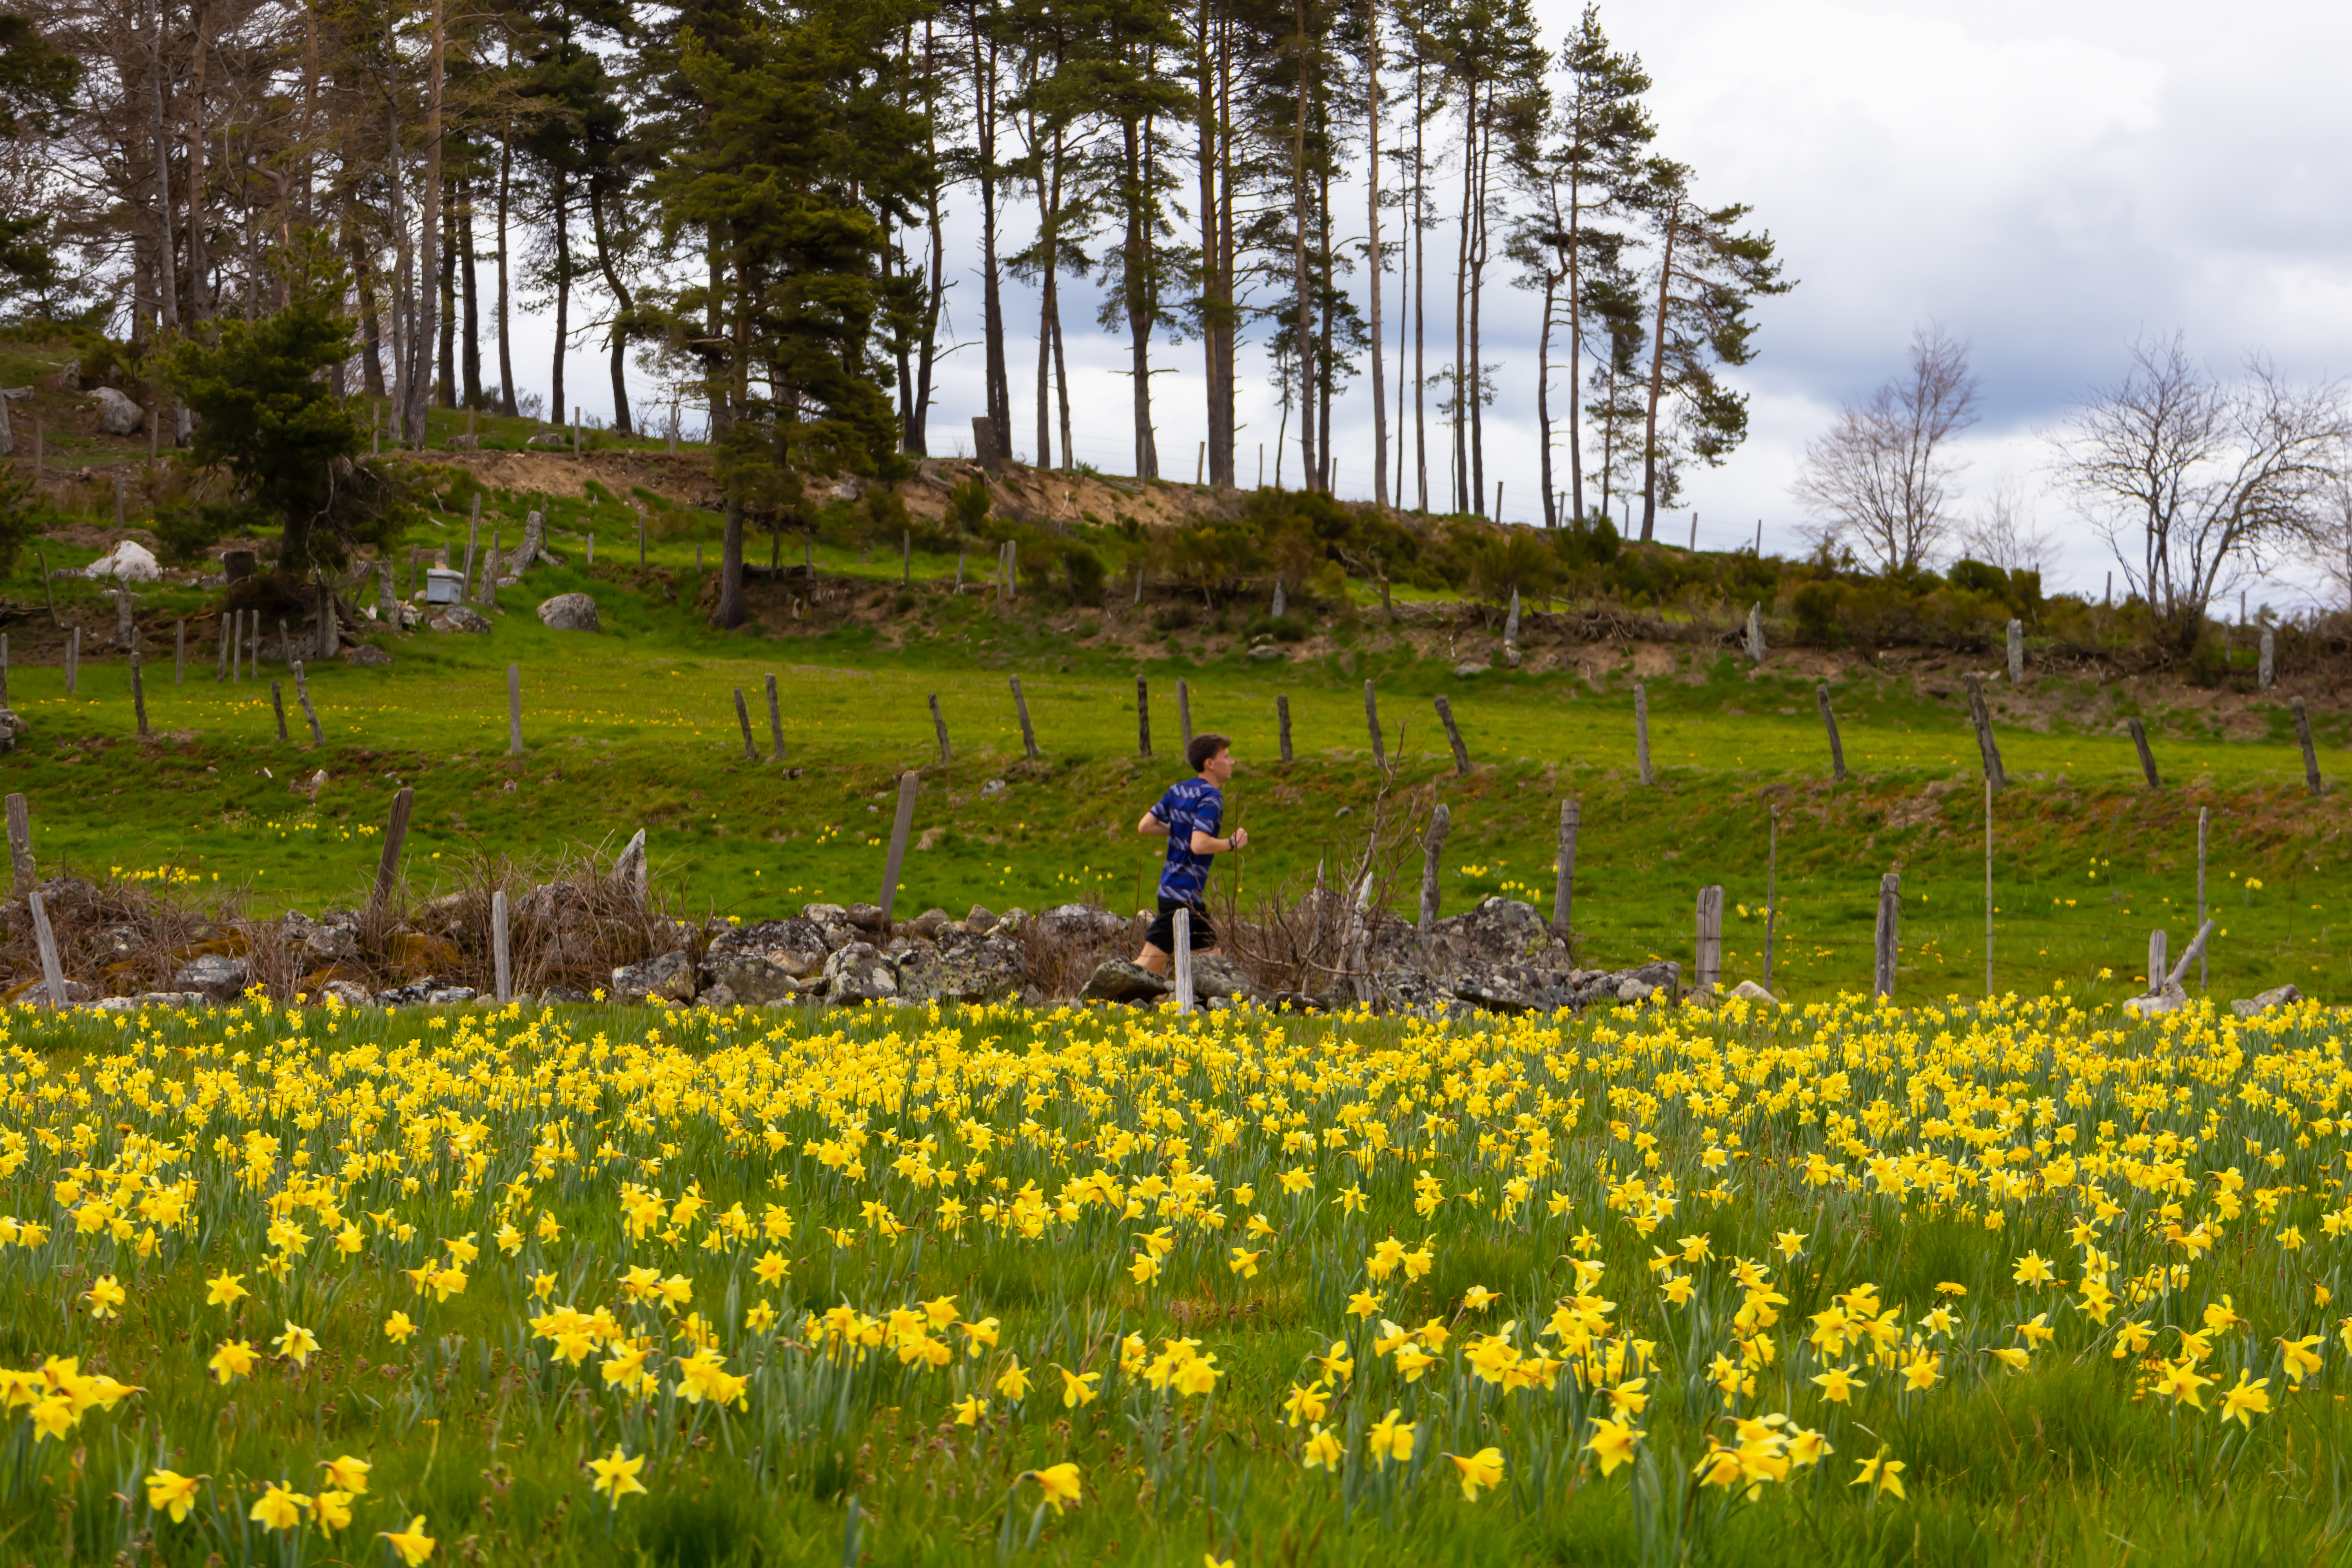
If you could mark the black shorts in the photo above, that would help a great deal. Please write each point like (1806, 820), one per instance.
(1162, 934)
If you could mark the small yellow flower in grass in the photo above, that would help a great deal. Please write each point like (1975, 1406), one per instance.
(2180, 1383)
(232, 1361)
(2132, 1337)
(1477, 1297)
(2303, 1357)
(1613, 1444)
(1390, 1438)
(225, 1290)
(1481, 1471)
(2015, 1357)
(1060, 1483)
(413, 1544)
(279, 1507)
(1951, 1288)
(2034, 1270)
(1321, 1452)
(330, 1511)
(967, 1412)
(771, 1267)
(1630, 1398)
(1308, 1405)
(1144, 1269)
(1790, 1243)
(52, 1415)
(1363, 1304)
(762, 1317)
(347, 1474)
(1013, 1381)
(168, 1491)
(1078, 1387)
(105, 1297)
(1245, 1262)
(398, 1327)
(297, 1344)
(1880, 1474)
(1838, 1384)
(2246, 1400)
(1209, 1559)
(616, 1474)
(2038, 1331)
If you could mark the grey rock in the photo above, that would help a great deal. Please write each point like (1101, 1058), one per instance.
(991, 789)
(117, 415)
(766, 961)
(1468, 670)
(1267, 653)
(2277, 996)
(669, 977)
(367, 653)
(964, 968)
(1083, 920)
(1216, 978)
(560, 996)
(927, 926)
(457, 618)
(824, 914)
(628, 872)
(172, 999)
(1123, 980)
(568, 613)
(113, 1004)
(319, 941)
(2171, 998)
(1515, 988)
(222, 978)
(865, 917)
(980, 921)
(718, 998)
(860, 972)
(449, 996)
(1749, 991)
(409, 994)
(345, 992)
(73, 992)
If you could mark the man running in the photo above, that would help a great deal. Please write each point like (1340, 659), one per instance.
(1188, 817)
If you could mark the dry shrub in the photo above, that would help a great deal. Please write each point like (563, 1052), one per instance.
(1309, 935)
(123, 937)
(1059, 963)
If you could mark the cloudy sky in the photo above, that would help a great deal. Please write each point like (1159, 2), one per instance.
(2046, 180)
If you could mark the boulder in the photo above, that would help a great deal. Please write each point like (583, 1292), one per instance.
(669, 977)
(1640, 985)
(1515, 988)
(319, 941)
(2277, 996)
(1498, 931)
(568, 613)
(1216, 978)
(1086, 922)
(457, 618)
(2170, 998)
(860, 972)
(221, 977)
(11, 726)
(74, 990)
(767, 961)
(718, 998)
(366, 653)
(1124, 980)
(450, 996)
(117, 415)
(171, 998)
(981, 921)
(865, 917)
(963, 968)
(1749, 991)
(343, 992)
(1466, 670)
(128, 561)
(409, 994)
(927, 926)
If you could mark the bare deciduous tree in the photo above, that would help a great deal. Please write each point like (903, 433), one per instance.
(2195, 483)
(1880, 480)
(2003, 531)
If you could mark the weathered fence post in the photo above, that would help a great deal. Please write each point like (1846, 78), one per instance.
(2016, 652)
(514, 711)
(939, 727)
(1182, 938)
(310, 714)
(1020, 711)
(775, 722)
(1142, 718)
(395, 834)
(898, 826)
(1890, 933)
(73, 660)
(472, 540)
(501, 958)
(277, 706)
(3, 670)
(1988, 896)
(2204, 819)
(2302, 734)
(138, 694)
(1281, 716)
(1707, 959)
(1756, 634)
(1453, 736)
(1432, 851)
(1642, 732)
(20, 844)
(2194, 953)
(53, 977)
(179, 661)
(2154, 959)
(1563, 869)
(2267, 670)
(1986, 747)
(906, 558)
(1184, 717)
(1372, 719)
(743, 718)
(2147, 757)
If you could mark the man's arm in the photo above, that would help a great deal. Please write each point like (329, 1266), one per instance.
(1210, 844)
(1152, 827)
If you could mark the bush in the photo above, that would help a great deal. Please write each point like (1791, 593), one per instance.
(185, 529)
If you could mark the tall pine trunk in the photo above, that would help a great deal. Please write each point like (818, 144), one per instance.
(558, 408)
(1216, 277)
(625, 311)
(1543, 396)
(1657, 379)
(1138, 284)
(199, 263)
(428, 269)
(991, 303)
(1462, 301)
(1298, 215)
(506, 339)
(1372, 248)
(470, 355)
(447, 389)
(1575, 269)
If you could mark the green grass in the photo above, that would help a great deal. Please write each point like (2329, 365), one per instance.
(636, 728)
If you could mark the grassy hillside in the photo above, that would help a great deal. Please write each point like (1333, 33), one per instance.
(636, 726)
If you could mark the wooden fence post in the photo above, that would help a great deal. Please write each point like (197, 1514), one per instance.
(1184, 717)
(743, 718)
(53, 978)
(1563, 869)
(1756, 634)
(1142, 719)
(1706, 958)
(2302, 734)
(1182, 938)
(775, 722)
(906, 558)
(20, 844)
(3, 670)
(1021, 708)
(1986, 748)
(179, 658)
(2267, 670)
(1281, 716)
(395, 834)
(2194, 953)
(501, 956)
(277, 706)
(310, 714)
(1453, 736)
(514, 711)
(138, 694)
(1988, 896)
(1829, 723)
(473, 544)
(940, 726)
(2016, 652)
(1890, 933)
(1432, 852)
(73, 660)
(2155, 941)
(2204, 819)
(1641, 733)
(1372, 721)
(2147, 757)
(898, 826)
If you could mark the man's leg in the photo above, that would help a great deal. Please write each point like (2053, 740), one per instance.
(1153, 959)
